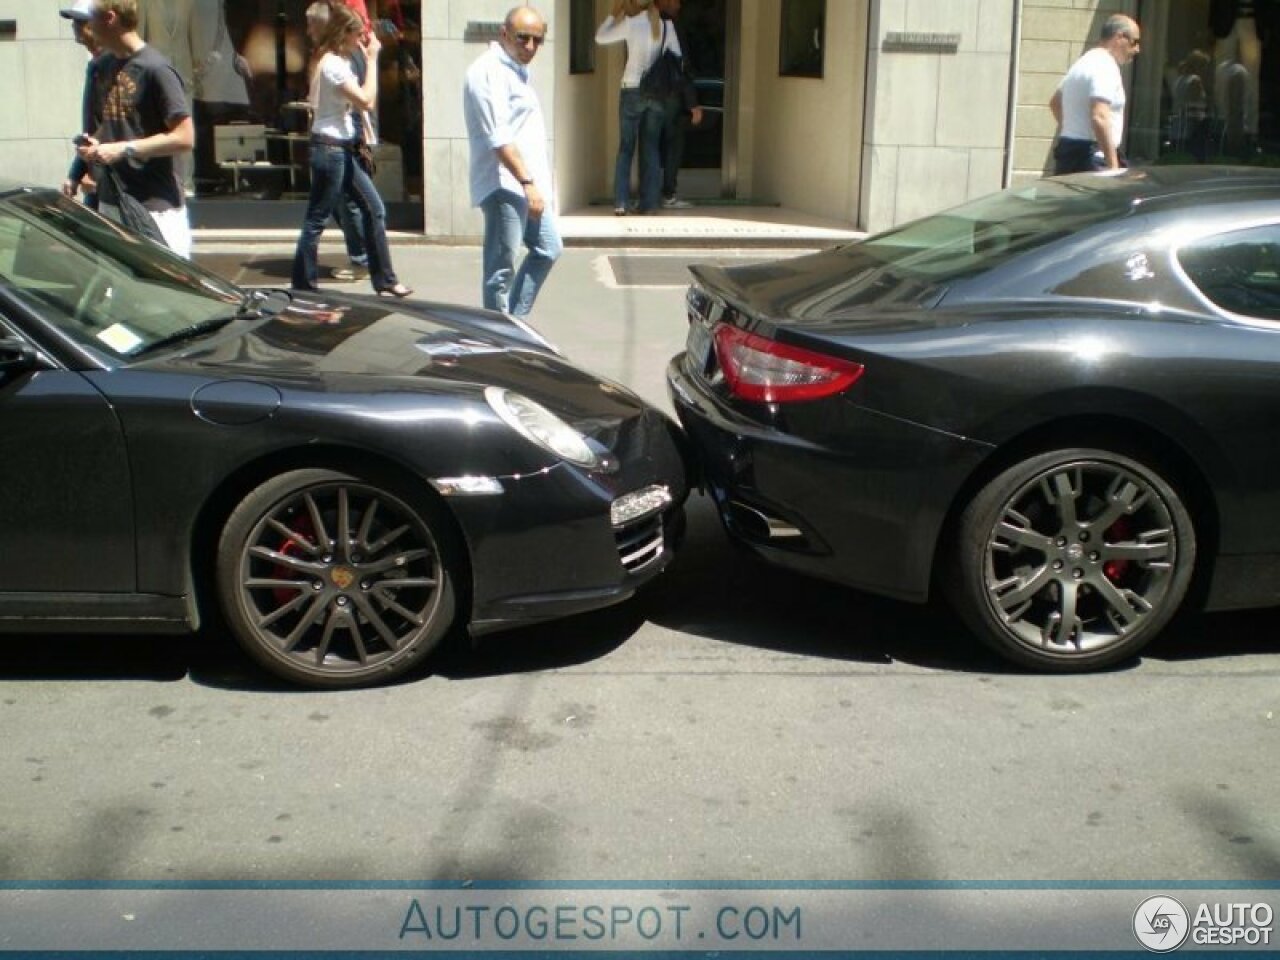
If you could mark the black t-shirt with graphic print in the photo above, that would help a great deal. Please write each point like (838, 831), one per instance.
(145, 97)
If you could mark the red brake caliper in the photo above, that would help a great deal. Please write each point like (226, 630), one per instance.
(1121, 530)
(302, 527)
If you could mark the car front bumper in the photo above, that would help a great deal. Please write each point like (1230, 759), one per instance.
(546, 546)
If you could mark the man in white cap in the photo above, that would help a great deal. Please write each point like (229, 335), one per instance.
(94, 95)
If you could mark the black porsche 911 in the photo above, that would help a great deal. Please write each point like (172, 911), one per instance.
(1057, 404)
(344, 479)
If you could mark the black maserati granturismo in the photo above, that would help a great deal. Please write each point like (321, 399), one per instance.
(1058, 405)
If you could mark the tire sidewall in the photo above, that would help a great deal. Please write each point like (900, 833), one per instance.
(244, 520)
(966, 581)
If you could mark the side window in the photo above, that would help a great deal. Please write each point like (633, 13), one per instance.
(1238, 271)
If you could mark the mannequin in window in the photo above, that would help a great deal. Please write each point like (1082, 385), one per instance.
(1240, 27)
(220, 74)
(1189, 126)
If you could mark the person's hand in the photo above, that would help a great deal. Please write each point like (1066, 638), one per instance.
(371, 46)
(696, 116)
(537, 204)
(87, 145)
(107, 153)
(69, 188)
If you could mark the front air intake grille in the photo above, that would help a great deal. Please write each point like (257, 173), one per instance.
(639, 544)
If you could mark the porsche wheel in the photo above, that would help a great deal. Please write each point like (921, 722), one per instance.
(1072, 559)
(329, 580)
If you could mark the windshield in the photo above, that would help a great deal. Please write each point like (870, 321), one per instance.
(102, 286)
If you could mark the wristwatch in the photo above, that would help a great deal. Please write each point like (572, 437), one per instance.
(526, 181)
(131, 150)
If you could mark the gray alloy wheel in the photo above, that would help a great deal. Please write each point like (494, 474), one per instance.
(1072, 559)
(328, 580)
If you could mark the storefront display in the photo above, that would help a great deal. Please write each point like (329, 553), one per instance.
(1207, 83)
(246, 67)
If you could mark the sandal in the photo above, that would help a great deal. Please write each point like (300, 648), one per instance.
(399, 290)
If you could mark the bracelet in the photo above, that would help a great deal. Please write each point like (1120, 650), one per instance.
(526, 182)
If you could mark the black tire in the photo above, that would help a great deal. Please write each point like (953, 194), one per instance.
(1072, 560)
(333, 581)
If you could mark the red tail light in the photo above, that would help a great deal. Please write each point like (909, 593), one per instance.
(764, 370)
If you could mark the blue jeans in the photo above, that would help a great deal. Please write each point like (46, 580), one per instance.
(640, 120)
(351, 220)
(507, 224)
(336, 176)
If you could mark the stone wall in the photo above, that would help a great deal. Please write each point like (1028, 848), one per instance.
(936, 123)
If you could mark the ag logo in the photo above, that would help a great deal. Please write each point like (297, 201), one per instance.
(1161, 924)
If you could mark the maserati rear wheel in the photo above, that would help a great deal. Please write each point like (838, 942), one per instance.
(331, 580)
(1072, 559)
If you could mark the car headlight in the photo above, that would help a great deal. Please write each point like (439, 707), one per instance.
(539, 425)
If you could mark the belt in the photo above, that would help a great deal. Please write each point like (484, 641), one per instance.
(325, 140)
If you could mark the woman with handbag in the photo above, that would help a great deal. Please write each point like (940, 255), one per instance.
(335, 172)
(651, 47)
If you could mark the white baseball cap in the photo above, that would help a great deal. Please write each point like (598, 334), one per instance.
(80, 10)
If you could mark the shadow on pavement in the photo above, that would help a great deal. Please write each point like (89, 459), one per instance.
(713, 590)
(723, 592)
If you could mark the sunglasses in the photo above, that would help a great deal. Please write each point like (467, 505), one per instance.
(537, 39)
(1136, 41)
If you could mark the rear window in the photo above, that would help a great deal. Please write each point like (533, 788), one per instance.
(978, 236)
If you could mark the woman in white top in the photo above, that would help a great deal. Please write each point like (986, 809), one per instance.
(641, 117)
(334, 171)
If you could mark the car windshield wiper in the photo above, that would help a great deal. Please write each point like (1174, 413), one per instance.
(192, 332)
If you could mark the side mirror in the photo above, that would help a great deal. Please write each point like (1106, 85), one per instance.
(18, 356)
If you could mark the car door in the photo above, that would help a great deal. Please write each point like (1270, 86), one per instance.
(66, 506)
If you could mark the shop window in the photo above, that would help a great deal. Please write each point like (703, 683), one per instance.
(1206, 86)
(803, 38)
(1238, 271)
(582, 36)
(247, 65)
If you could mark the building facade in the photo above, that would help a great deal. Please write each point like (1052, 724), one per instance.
(865, 113)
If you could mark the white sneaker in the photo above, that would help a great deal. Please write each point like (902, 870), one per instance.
(675, 203)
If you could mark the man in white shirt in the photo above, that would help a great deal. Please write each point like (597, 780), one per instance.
(510, 173)
(1089, 102)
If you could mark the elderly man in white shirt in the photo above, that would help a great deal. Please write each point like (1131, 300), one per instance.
(641, 116)
(510, 173)
(1089, 102)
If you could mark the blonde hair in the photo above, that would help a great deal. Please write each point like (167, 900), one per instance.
(342, 20)
(125, 10)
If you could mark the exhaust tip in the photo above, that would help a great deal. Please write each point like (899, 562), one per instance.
(754, 524)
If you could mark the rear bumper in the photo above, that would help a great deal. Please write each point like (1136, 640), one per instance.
(868, 514)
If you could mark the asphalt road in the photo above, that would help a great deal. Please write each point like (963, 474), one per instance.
(732, 723)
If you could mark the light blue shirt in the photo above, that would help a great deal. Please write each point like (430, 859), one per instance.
(502, 108)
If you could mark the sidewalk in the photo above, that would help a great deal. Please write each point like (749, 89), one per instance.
(712, 225)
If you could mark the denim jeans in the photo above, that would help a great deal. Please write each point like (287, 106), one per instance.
(506, 225)
(336, 176)
(351, 220)
(640, 121)
(674, 124)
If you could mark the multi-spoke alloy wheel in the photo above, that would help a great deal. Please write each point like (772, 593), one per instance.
(332, 581)
(1073, 559)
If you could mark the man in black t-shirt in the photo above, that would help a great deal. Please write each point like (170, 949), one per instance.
(145, 123)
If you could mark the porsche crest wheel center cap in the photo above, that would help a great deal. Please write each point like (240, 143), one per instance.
(342, 577)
